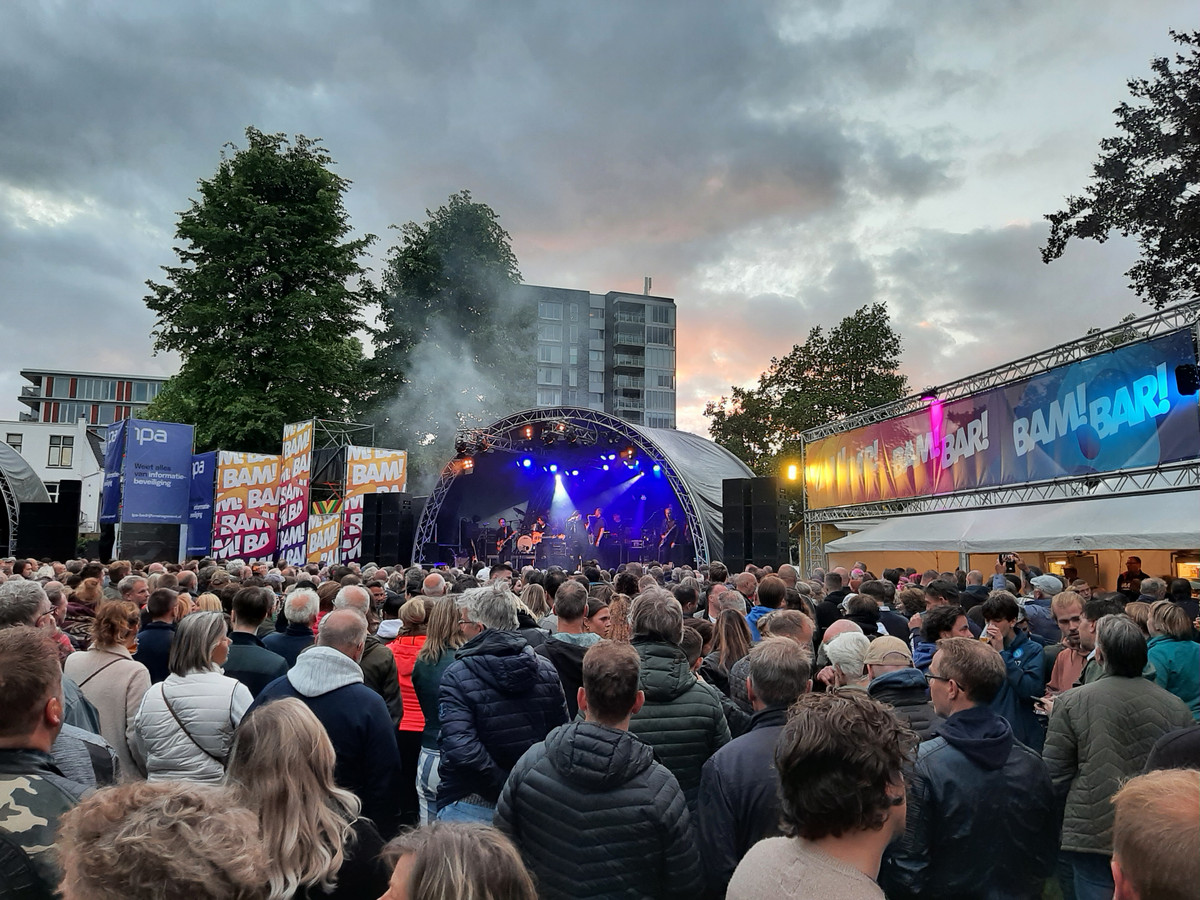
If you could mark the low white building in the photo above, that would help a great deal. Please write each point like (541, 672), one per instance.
(61, 451)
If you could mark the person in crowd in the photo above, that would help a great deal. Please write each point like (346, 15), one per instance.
(883, 592)
(847, 655)
(731, 642)
(184, 727)
(378, 662)
(448, 861)
(111, 679)
(975, 794)
(738, 802)
(682, 719)
(598, 618)
(946, 620)
(1139, 611)
(207, 602)
(1022, 658)
(1093, 611)
(1133, 572)
(863, 610)
(841, 760)
(829, 610)
(593, 785)
(405, 649)
(788, 623)
(497, 700)
(134, 589)
(1068, 664)
(316, 843)
(769, 596)
(35, 791)
(1178, 749)
(1100, 734)
(566, 647)
(442, 639)
(81, 610)
(329, 681)
(300, 609)
(533, 596)
(123, 843)
(1173, 653)
(895, 681)
(1179, 592)
(250, 662)
(434, 585)
(1156, 837)
(157, 634)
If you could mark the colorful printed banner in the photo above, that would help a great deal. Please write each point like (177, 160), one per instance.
(1116, 410)
(114, 456)
(156, 472)
(369, 470)
(327, 507)
(293, 492)
(247, 506)
(324, 539)
(200, 504)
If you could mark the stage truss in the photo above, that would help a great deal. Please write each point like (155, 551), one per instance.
(588, 425)
(11, 510)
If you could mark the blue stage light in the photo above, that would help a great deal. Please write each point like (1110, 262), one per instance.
(574, 471)
(526, 463)
(657, 469)
(605, 467)
(553, 467)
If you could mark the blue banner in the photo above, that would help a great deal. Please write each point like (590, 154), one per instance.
(158, 472)
(110, 492)
(200, 504)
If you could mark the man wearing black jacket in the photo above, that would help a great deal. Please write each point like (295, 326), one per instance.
(566, 647)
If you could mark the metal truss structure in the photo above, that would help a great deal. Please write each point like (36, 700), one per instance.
(327, 433)
(586, 425)
(12, 510)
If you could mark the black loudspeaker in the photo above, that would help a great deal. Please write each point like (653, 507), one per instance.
(149, 543)
(108, 537)
(735, 522)
(768, 523)
(50, 529)
(380, 528)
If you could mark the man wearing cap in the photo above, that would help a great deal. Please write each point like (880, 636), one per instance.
(981, 818)
(895, 682)
(1042, 625)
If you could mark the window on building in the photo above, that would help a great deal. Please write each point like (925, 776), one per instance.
(660, 421)
(73, 412)
(551, 311)
(661, 315)
(573, 334)
(62, 447)
(573, 356)
(548, 397)
(52, 490)
(595, 334)
(141, 392)
(660, 400)
(14, 440)
(549, 375)
(596, 356)
(548, 332)
(572, 397)
(549, 353)
(574, 313)
(573, 377)
(595, 315)
(660, 358)
(666, 381)
(658, 334)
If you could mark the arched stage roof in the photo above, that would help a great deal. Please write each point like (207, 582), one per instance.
(18, 484)
(693, 466)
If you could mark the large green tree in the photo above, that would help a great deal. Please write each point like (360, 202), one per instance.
(454, 346)
(850, 368)
(266, 300)
(1147, 182)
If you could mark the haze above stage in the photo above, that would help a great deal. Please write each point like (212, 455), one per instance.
(599, 460)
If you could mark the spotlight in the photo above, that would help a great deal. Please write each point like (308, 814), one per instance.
(527, 432)
(793, 472)
(574, 471)
(605, 467)
(553, 467)
(460, 446)
(526, 463)
(657, 469)
(929, 394)
(468, 464)
(628, 453)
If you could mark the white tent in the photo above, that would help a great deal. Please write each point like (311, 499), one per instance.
(1166, 521)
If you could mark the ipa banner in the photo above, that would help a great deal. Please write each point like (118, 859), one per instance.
(369, 470)
(200, 504)
(293, 492)
(324, 539)
(1115, 410)
(114, 455)
(247, 505)
(157, 472)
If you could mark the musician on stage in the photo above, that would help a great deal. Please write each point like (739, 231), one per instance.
(595, 527)
(503, 535)
(669, 532)
(577, 538)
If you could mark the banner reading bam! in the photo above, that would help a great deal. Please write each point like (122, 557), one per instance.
(324, 538)
(369, 470)
(247, 505)
(293, 492)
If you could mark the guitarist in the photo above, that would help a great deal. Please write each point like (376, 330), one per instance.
(504, 534)
(670, 535)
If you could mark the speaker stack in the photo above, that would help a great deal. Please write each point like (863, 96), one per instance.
(389, 527)
(50, 529)
(754, 522)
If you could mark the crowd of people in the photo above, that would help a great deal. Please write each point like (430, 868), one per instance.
(240, 731)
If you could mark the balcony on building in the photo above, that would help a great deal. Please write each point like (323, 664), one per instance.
(629, 361)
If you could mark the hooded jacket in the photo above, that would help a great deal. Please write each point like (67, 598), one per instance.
(981, 816)
(367, 759)
(907, 693)
(1026, 679)
(681, 718)
(497, 699)
(595, 816)
(567, 658)
(1177, 668)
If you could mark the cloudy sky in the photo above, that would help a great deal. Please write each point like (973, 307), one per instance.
(773, 166)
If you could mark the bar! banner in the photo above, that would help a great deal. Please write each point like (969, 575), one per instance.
(369, 470)
(293, 492)
(247, 505)
(200, 504)
(1115, 410)
(324, 539)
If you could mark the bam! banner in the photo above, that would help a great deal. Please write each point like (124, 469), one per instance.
(293, 492)
(200, 504)
(157, 472)
(324, 539)
(114, 455)
(369, 470)
(1116, 410)
(247, 504)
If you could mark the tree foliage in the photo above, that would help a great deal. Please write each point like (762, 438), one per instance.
(831, 375)
(454, 342)
(263, 307)
(1147, 182)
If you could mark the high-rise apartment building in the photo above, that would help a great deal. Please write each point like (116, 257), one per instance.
(58, 396)
(611, 352)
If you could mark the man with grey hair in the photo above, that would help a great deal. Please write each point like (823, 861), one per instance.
(739, 786)
(1153, 590)
(434, 585)
(497, 699)
(731, 599)
(682, 717)
(1100, 735)
(135, 589)
(377, 661)
(328, 680)
(300, 608)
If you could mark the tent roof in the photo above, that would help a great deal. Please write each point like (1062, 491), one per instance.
(1168, 521)
(22, 480)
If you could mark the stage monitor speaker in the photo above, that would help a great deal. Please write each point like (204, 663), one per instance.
(149, 543)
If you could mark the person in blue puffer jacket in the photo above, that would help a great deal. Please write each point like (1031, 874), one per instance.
(1026, 678)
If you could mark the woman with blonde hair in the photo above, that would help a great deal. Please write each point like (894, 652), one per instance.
(111, 679)
(534, 598)
(1140, 613)
(457, 861)
(317, 845)
(405, 647)
(442, 639)
(207, 602)
(619, 628)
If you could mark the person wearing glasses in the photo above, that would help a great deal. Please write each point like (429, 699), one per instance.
(976, 794)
